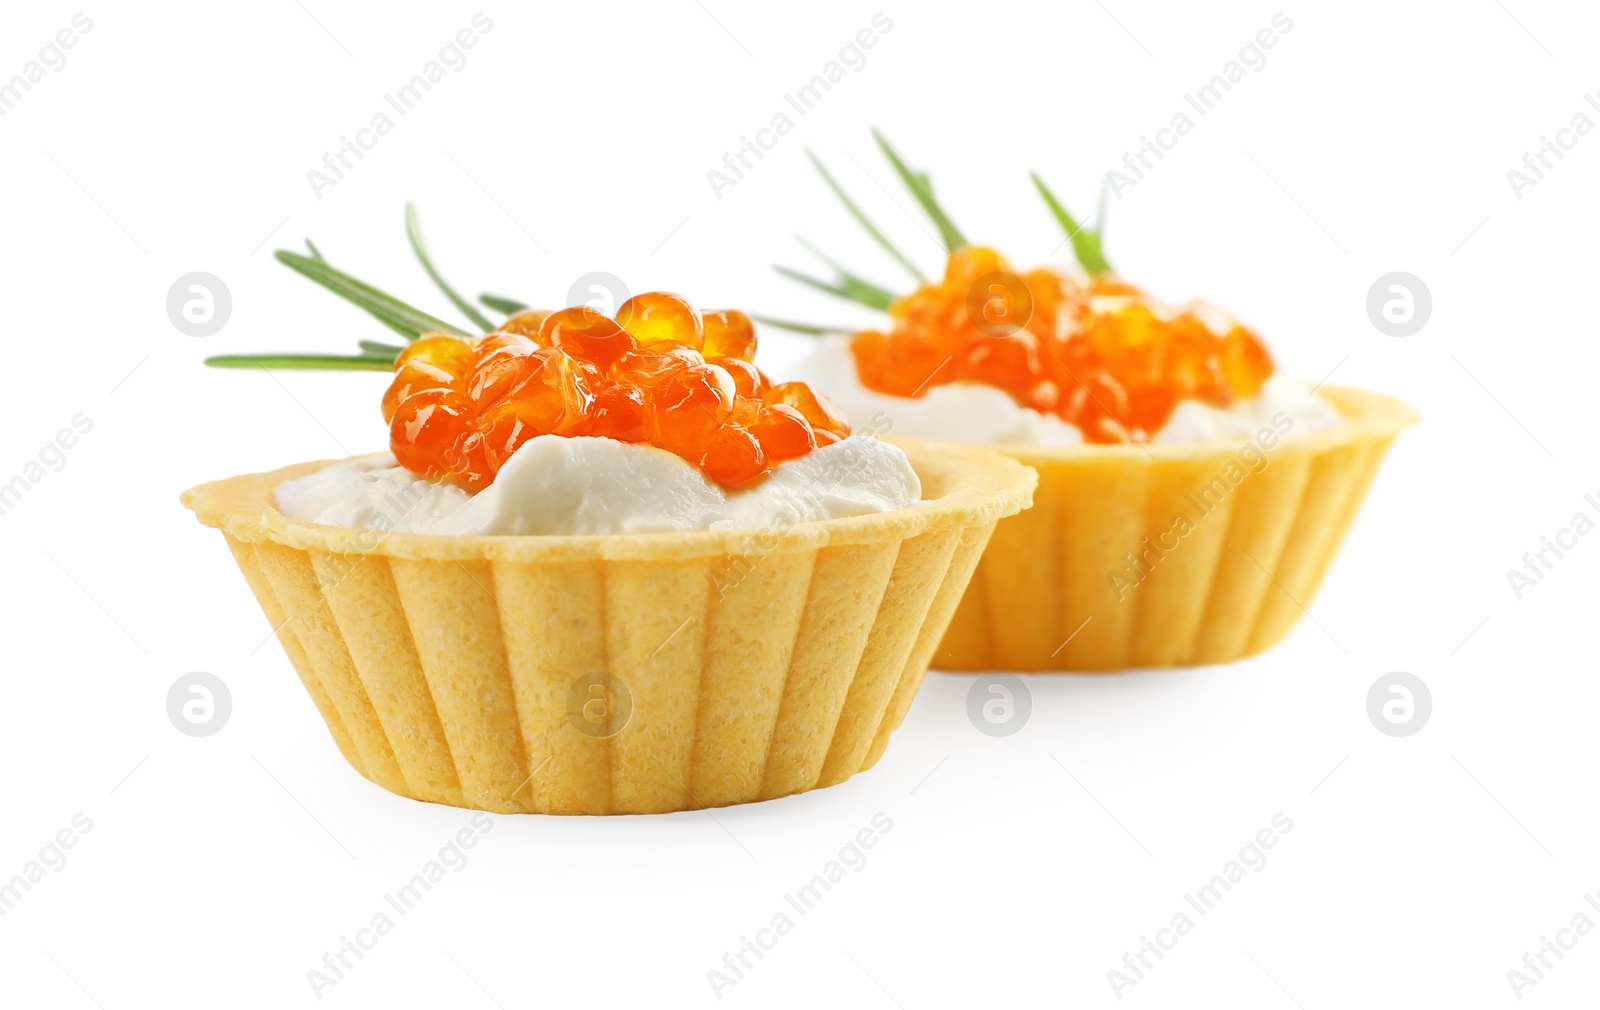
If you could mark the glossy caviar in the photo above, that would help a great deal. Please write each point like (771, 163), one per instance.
(1099, 354)
(659, 373)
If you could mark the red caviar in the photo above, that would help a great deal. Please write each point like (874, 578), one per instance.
(660, 373)
(1100, 354)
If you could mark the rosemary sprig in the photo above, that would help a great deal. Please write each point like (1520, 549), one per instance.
(414, 234)
(388, 310)
(921, 188)
(850, 288)
(1085, 242)
(839, 268)
(506, 306)
(324, 362)
(862, 219)
(404, 319)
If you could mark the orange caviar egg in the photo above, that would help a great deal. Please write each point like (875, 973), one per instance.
(496, 369)
(550, 391)
(658, 316)
(587, 335)
(621, 412)
(967, 264)
(469, 463)
(728, 333)
(425, 426)
(747, 378)
(784, 432)
(819, 411)
(691, 404)
(525, 323)
(459, 409)
(434, 361)
(1011, 362)
(502, 338)
(900, 366)
(734, 457)
(647, 367)
(448, 353)
(412, 380)
(1245, 364)
(1101, 355)
(746, 411)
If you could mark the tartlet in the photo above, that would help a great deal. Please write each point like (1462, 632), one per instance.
(1153, 541)
(594, 668)
(445, 667)
(1044, 597)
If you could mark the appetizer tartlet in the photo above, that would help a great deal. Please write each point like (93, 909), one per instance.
(1190, 498)
(687, 627)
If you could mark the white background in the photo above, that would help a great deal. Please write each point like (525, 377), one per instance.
(1018, 871)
